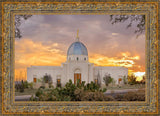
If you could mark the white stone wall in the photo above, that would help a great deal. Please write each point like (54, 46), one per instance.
(40, 71)
(115, 72)
(66, 71)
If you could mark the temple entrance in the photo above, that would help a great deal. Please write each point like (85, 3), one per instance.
(76, 77)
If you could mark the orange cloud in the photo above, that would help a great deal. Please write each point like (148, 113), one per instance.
(125, 60)
(29, 53)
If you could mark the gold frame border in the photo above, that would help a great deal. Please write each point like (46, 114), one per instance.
(76, 13)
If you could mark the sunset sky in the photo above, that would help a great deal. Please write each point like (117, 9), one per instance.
(46, 38)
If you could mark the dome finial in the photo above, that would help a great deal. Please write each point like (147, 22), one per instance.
(77, 38)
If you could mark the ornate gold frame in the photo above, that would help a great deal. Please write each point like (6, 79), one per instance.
(10, 9)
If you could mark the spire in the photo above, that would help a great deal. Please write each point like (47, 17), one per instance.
(77, 38)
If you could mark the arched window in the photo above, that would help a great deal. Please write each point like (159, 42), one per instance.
(77, 58)
(58, 82)
(34, 78)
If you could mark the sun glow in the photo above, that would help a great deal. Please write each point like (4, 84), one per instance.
(139, 75)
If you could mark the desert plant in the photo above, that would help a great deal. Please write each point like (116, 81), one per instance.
(131, 96)
(30, 85)
(124, 80)
(135, 96)
(72, 92)
(58, 85)
(22, 86)
(119, 97)
(39, 92)
(47, 79)
(113, 81)
(109, 98)
(91, 87)
(25, 83)
(107, 79)
(95, 96)
(42, 87)
(132, 80)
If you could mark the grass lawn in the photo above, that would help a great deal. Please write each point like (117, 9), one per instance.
(26, 92)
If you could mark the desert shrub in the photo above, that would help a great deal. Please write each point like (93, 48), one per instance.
(78, 93)
(39, 92)
(42, 87)
(103, 90)
(32, 98)
(124, 80)
(119, 97)
(131, 96)
(51, 86)
(132, 80)
(44, 96)
(88, 96)
(47, 79)
(72, 92)
(135, 96)
(95, 96)
(107, 79)
(109, 98)
(25, 83)
(58, 85)
(17, 86)
(30, 85)
(21, 86)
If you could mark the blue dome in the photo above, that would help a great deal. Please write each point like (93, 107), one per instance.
(77, 48)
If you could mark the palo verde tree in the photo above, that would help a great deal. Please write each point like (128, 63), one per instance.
(107, 79)
(139, 20)
(18, 22)
(47, 79)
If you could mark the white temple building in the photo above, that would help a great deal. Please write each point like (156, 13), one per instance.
(77, 66)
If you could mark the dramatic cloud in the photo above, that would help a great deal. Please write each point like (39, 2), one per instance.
(46, 39)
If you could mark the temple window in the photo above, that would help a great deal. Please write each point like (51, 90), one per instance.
(34, 78)
(58, 82)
